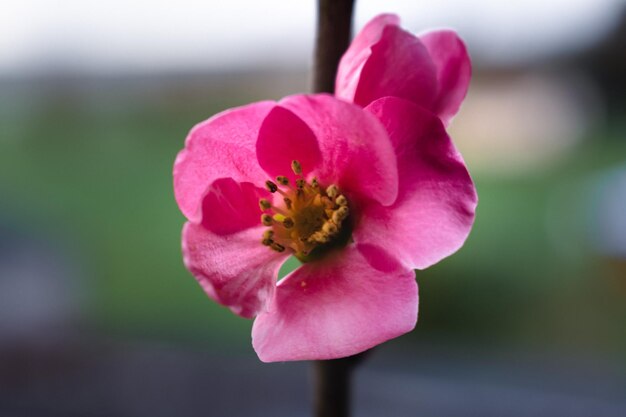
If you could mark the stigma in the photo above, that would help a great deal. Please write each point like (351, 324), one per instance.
(305, 217)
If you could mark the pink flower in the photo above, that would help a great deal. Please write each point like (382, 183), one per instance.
(432, 70)
(360, 196)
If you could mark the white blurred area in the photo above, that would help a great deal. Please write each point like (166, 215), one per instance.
(151, 35)
(522, 123)
(520, 114)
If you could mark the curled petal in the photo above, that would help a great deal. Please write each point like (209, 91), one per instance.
(399, 66)
(222, 146)
(354, 58)
(454, 70)
(434, 212)
(284, 137)
(229, 206)
(235, 270)
(432, 70)
(355, 149)
(358, 299)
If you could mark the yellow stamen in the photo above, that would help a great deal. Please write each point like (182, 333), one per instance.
(271, 186)
(264, 204)
(311, 217)
(277, 247)
(296, 167)
(330, 228)
(340, 214)
(279, 217)
(332, 191)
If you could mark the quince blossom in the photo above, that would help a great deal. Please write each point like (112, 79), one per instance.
(362, 187)
(362, 196)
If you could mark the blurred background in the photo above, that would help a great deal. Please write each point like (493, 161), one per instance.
(98, 316)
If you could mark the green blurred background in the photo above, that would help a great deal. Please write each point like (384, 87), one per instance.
(90, 256)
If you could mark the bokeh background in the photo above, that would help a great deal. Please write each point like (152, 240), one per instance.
(98, 316)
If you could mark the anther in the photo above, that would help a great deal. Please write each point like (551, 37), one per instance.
(330, 228)
(266, 219)
(279, 217)
(287, 202)
(341, 200)
(300, 183)
(266, 242)
(332, 191)
(268, 234)
(288, 223)
(318, 237)
(296, 167)
(264, 204)
(277, 247)
(282, 180)
(340, 214)
(315, 184)
(271, 186)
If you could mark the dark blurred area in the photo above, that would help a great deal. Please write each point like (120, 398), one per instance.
(98, 316)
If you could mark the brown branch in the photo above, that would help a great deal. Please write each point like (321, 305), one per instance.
(332, 385)
(334, 26)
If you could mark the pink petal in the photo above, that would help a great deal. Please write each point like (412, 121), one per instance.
(399, 66)
(235, 270)
(354, 58)
(284, 137)
(338, 307)
(223, 146)
(355, 148)
(436, 203)
(229, 206)
(454, 70)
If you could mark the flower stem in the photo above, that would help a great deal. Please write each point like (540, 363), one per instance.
(332, 386)
(334, 26)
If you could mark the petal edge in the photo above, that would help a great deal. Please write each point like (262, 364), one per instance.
(222, 146)
(337, 308)
(234, 270)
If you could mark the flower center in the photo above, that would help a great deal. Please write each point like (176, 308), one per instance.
(308, 218)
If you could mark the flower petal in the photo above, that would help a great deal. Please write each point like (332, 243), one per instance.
(284, 137)
(400, 66)
(354, 58)
(454, 70)
(222, 146)
(355, 148)
(338, 307)
(235, 270)
(436, 202)
(229, 206)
